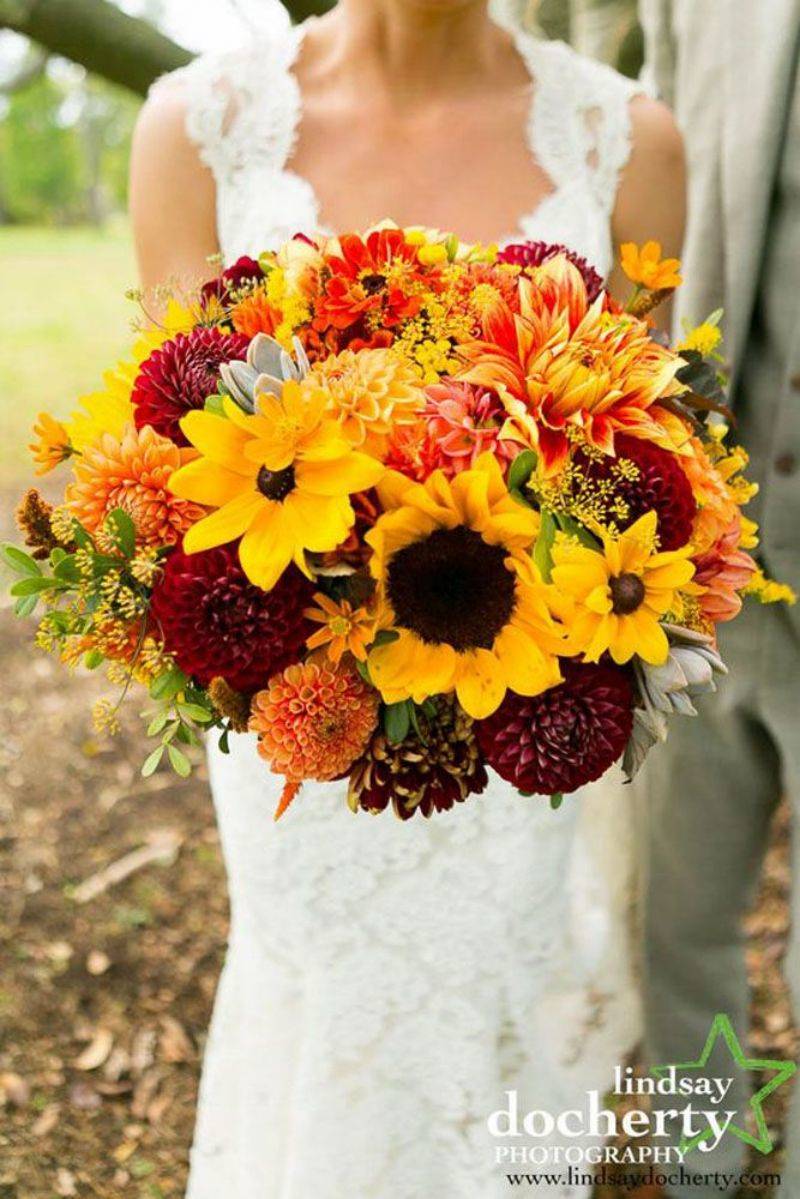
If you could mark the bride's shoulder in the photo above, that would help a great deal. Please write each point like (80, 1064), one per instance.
(210, 106)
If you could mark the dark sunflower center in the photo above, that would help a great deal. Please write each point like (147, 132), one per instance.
(452, 587)
(275, 484)
(373, 283)
(627, 593)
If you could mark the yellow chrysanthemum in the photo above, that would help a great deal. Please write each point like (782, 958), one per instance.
(457, 590)
(704, 339)
(279, 479)
(645, 267)
(52, 445)
(372, 392)
(622, 592)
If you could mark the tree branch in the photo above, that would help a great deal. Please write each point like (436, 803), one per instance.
(98, 36)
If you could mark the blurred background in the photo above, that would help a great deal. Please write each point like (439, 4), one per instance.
(112, 901)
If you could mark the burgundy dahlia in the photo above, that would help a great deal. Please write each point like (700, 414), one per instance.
(216, 623)
(425, 776)
(180, 376)
(534, 253)
(565, 737)
(244, 271)
(661, 485)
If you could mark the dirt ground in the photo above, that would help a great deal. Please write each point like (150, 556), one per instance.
(106, 986)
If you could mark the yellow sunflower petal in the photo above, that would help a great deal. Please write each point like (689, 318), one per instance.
(205, 482)
(218, 439)
(267, 547)
(353, 472)
(480, 685)
(527, 670)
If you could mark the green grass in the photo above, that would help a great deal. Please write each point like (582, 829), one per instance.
(66, 320)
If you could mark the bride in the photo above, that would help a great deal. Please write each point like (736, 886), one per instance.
(387, 985)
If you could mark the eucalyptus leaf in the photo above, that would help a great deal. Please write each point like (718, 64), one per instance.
(19, 561)
(179, 762)
(152, 762)
(397, 722)
(26, 605)
(33, 586)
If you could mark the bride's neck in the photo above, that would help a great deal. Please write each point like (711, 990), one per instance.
(411, 50)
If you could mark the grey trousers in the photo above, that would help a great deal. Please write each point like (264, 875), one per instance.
(705, 801)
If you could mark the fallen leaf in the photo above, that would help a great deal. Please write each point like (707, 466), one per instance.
(97, 1052)
(97, 962)
(65, 1183)
(84, 1097)
(14, 1089)
(174, 1042)
(47, 1121)
(162, 847)
(145, 1092)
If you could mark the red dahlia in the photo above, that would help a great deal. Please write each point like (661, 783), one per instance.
(217, 624)
(661, 485)
(565, 737)
(181, 375)
(534, 253)
(245, 270)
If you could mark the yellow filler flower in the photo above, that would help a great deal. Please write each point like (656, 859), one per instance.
(646, 268)
(465, 607)
(622, 592)
(279, 479)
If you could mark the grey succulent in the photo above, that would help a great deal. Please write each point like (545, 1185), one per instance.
(689, 671)
(267, 368)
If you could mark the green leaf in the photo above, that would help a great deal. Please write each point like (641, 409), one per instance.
(20, 562)
(93, 659)
(31, 586)
(363, 670)
(27, 605)
(179, 762)
(572, 528)
(556, 800)
(169, 684)
(224, 742)
(521, 469)
(195, 712)
(152, 762)
(66, 569)
(397, 721)
(123, 531)
(386, 637)
(543, 549)
(81, 536)
(413, 712)
(157, 724)
(216, 404)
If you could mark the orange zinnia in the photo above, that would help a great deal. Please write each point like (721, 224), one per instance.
(344, 628)
(132, 472)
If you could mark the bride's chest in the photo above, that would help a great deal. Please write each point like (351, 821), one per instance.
(466, 166)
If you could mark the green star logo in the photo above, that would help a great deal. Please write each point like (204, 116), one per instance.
(782, 1071)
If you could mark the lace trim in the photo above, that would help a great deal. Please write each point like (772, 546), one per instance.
(580, 123)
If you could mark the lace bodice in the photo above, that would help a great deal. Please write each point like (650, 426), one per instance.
(244, 107)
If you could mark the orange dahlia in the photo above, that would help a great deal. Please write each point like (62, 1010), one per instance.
(566, 369)
(132, 472)
(724, 571)
(313, 721)
(255, 314)
(374, 275)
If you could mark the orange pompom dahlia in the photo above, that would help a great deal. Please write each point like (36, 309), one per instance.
(312, 722)
(132, 472)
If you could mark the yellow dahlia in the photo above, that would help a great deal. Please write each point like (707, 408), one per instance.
(622, 592)
(52, 445)
(372, 392)
(279, 479)
(312, 722)
(132, 472)
(456, 588)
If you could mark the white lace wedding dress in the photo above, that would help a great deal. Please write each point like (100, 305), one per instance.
(386, 984)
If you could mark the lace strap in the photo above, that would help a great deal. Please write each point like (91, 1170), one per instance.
(580, 122)
(242, 106)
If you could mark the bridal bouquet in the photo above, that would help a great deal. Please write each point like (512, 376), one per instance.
(404, 509)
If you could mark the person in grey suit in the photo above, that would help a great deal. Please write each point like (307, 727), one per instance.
(730, 70)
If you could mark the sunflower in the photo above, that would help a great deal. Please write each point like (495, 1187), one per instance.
(460, 603)
(622, 591)
(279, 479)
